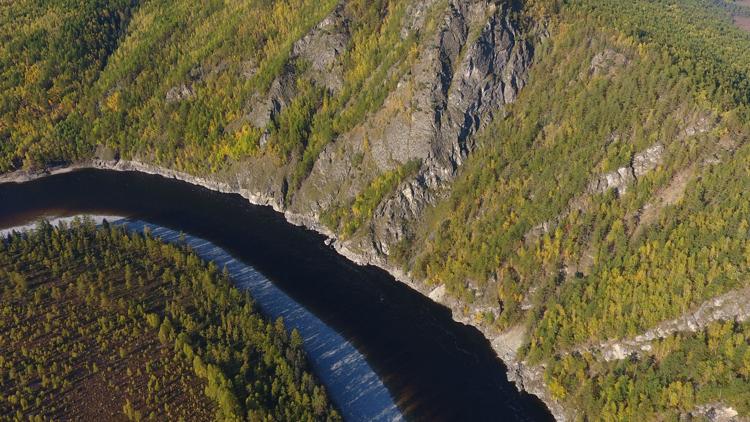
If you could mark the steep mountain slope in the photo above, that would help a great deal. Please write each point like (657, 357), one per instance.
(566, 176)
(50, 55)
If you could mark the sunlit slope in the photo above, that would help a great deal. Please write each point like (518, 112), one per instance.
(611, 199)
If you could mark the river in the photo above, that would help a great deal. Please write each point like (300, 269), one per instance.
(434, 368)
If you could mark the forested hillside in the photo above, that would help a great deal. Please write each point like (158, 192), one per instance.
(613, 197)
(97, 323)
(191, 87)
(573, 171)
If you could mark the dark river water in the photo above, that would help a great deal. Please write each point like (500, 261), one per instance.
(435, 369)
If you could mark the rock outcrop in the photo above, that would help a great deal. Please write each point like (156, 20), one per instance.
(322, 47)
(732, 306)
(482, 58)
(316, 56)
(606, 63)
(179, 93)
(642, 163)
(473, 63)
(716, 412)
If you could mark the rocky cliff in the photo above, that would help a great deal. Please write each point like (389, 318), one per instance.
(470, 68)
(473, 64)
(472, 60)
(569, 177)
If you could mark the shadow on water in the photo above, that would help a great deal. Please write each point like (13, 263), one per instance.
(437, 369)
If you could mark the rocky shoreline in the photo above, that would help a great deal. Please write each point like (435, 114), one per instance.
(526, 377)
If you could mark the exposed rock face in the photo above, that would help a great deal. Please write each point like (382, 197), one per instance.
(264, 108)
(647, 160)
(700, 124)
(717, 412)
(322, 47)
(469, 66)
(606, 63)
(732, 306)
(642, 163)
(482, 61)
(318, 53)
(417, 12)
(618, 180)
(179, 93)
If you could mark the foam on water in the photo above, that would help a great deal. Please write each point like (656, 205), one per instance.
(56, 221)
(350, 381)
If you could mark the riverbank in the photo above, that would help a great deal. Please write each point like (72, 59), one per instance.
(525, 377)
(355, 388)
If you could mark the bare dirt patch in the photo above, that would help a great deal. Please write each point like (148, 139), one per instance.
(742, 22)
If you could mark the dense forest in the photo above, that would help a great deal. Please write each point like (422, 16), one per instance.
(528, 226)
(610, 196)
(171, 83)
(97, 322)
(596, 98)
